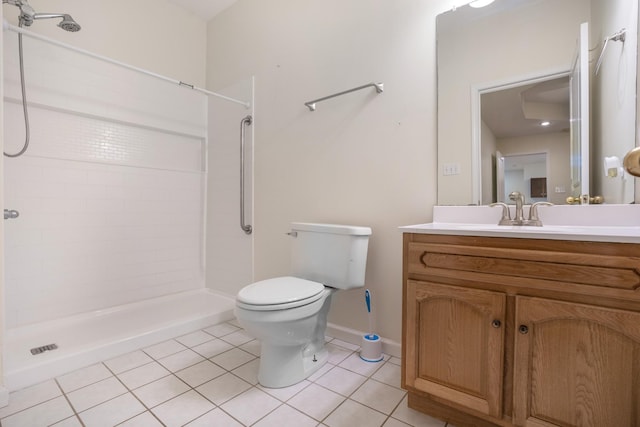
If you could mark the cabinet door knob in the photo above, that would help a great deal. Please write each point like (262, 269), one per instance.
(523, 329)
(496, 323)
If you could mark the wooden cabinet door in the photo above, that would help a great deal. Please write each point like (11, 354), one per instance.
(576, 365)
(454, 344)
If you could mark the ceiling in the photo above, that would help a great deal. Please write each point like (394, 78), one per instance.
(206, 9)
(518, 111)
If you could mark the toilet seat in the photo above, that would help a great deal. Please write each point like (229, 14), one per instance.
(279, 293)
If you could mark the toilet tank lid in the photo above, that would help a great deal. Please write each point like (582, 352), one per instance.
(354, 230)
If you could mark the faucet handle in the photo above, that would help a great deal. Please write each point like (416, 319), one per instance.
(506, 213)
(533, 211)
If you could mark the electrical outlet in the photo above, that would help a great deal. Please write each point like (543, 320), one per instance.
(560, 189)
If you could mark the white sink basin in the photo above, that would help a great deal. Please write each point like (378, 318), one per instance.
(565, 229)
(563, 215)
(609, 223)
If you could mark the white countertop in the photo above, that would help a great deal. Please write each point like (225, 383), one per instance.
(593, 223)
(555, 232)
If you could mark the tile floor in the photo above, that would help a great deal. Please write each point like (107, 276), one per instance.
(209, 378)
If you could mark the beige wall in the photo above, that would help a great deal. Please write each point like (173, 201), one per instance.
(150, 34)
(4, 393)
(493, 50)
(613, 97)
(361, 158)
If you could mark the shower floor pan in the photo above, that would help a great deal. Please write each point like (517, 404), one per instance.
(88, 338)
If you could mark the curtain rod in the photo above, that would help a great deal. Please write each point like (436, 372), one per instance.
(7, 26)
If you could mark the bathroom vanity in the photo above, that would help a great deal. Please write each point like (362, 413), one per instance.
(522, 327)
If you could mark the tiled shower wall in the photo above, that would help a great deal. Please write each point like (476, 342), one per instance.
(110, 192)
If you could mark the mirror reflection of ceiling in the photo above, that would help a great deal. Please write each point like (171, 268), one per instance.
(521, 161)
(466, 15)
(519, 111)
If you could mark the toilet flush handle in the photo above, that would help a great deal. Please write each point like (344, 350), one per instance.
(293, 233)
(11, 214)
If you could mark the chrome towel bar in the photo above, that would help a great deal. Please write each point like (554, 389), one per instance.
(312, 104)
(620, 36)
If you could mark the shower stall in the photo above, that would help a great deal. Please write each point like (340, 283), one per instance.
(125, 227)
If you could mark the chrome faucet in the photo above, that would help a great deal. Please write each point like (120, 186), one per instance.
(518, 197)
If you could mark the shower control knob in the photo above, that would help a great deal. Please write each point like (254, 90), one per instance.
(11, 214)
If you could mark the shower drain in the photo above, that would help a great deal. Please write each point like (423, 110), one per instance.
(42, 349)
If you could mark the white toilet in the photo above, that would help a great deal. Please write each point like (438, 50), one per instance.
(289, 314)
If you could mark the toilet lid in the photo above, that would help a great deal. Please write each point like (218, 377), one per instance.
(289, 291)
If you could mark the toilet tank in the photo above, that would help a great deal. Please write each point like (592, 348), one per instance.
(334, 255)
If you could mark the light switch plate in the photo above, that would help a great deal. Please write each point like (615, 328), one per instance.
(451, 169)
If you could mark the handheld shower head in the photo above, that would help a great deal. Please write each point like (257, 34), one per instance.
(28, 15)
(68, 24)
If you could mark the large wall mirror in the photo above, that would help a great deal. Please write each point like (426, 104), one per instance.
(507, 108)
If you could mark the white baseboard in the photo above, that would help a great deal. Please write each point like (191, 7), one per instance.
(353, 336)
(4, 397)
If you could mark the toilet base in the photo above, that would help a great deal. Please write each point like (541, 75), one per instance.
(282, 366)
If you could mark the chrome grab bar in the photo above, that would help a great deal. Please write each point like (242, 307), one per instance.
(311, 105)
(247, 121)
